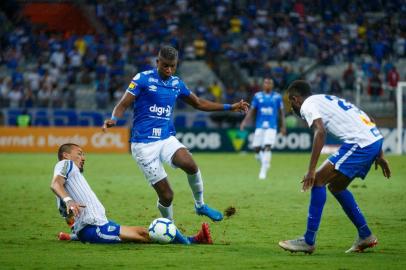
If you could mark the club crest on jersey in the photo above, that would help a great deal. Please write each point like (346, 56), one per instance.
(175, 82)
(153, 80)
(267, 110)
(152, 88)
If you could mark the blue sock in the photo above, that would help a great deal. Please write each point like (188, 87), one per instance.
(180, 238)
(192, 239)
(350, 207)
(317, 201)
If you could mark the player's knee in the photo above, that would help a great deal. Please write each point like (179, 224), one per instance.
(333, 188)
(166, 198)
(191, 168)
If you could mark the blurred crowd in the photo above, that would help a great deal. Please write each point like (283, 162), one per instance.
(43, 69)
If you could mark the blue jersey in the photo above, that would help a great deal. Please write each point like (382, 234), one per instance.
(154, 103)
(267, 109)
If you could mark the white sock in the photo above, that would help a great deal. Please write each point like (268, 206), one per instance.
(258, 156)
(74, 237)
(266, 159)
(166, 212)
(196, 185)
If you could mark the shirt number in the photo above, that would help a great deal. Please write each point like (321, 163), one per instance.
(341, 102)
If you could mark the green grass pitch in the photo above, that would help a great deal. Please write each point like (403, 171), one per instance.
(267, 211)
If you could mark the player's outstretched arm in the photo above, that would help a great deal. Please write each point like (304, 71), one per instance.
(126, 100)
(384, 164)
(209, 106)
(250, 115)
(57, 186)
(318, 143)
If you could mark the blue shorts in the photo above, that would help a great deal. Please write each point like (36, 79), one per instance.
(106, 234)
(354, 161)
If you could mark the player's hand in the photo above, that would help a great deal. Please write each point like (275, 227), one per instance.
(308, 180)
(74, 208)
(383, 163)
(241, 106)
(108, 123)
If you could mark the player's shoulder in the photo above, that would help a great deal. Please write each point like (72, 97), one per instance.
(276, 94)
(259, 94)
(313, 102)
(315, 98)
(63, 162)
(64, 167)
(143, 75)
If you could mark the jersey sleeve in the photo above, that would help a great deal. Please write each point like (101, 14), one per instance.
(184, 90)
(64, 168)
(137, 84)
(310, 112)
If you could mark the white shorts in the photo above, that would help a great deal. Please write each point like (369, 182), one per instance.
(263, 137)
(150, 157)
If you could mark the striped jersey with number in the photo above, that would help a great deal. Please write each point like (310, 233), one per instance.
(80, 191)
(341, 118)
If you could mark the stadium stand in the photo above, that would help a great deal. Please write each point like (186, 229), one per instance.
(81, 54)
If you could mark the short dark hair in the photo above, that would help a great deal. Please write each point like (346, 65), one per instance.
(65, 148)
(168, 53)
(299, 88)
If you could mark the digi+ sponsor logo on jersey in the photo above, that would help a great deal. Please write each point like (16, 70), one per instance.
(166, 111)
(267, 110)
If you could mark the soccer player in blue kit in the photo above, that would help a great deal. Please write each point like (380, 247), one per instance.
(267, 108)
(152, 95)
(362, 146)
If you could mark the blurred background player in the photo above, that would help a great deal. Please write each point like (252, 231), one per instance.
(84, 209)
(362, 146)
(152, 95)
(267, 108)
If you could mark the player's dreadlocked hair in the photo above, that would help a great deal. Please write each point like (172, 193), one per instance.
(299, 88)
(168, 53)
(65, 148)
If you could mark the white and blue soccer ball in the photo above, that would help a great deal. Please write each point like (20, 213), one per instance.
(162, 230)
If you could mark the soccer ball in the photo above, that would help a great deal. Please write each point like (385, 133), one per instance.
(162, 230)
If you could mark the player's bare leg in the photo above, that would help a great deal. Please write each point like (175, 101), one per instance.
(165, 198)
(184, 160)
(134, 234)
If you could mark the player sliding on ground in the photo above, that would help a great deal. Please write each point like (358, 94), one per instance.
(152, 95)
(90, 224)
(267, 109)
(362, 146)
